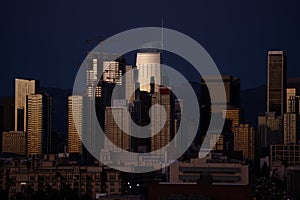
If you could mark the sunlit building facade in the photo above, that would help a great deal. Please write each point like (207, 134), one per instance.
(23, 88)
(39, 127)
(74, 117)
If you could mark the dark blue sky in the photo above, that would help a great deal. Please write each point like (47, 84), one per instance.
(45, 40)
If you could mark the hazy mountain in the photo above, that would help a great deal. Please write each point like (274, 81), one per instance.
(253, 101)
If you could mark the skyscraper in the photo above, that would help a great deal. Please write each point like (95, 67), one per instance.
(291, 128)
(164, 98)
(244, 140)
(114, 126)
(74, 132)
(130, 84)
(291, 118)
(269, 130)
(232, 114)
(23, 88)
(8, 112)
(39, 125)
(112, 72)
(148, 65)
(276, 84)
(232, 90)
(292, 101)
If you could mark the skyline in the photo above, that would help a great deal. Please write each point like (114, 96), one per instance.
(57, 47)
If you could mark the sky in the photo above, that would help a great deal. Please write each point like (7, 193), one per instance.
(46, 40)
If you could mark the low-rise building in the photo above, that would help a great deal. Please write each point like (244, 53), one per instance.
(214, 169)
(49, 171)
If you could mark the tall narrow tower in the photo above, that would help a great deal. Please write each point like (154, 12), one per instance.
(23, 88)
(74, 116)
(276, 85)
(39, 126)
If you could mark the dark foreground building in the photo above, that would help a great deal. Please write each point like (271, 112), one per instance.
(198, 191)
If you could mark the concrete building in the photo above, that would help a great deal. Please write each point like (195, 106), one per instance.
(287, 153)
(23, 88)
(244, 140)
(74, 131)
(39, 124)
(114, 126)
(232, 114)
(214, 169)
(14, 142)
(49, 171)
(111, 72)
(8, 113)
(292, 101)
(269, 130)
(164, 98)
(291, 128)
(130, 83)
(293, 181)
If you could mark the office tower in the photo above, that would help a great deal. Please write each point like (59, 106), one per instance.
(291, 100)
(130, 83)
(39, 125)
(233, 115)
(8, 113)
(139, 113)
(111, 72)
(113, 131)
(291, 128)
(164, 98)
(14, 142)
(148, 65)
(276, 84)
(269, 130)
(91, 77)
(244, 140)
(231, 86)
(22, 89)
(74, 132)
(232, 91)
(178, 125)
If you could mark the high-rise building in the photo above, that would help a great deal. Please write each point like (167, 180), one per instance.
(276, 84)
(39, 124)
(14, 142)
(244, 140)
(74, 132)
(8, 113)
(148, 66)
(232, 91)
(114, 126)
(130, 84)
(291, 128)
(288, 153)
(232, 114)
(292, 101)
(269, 130)
(112, 72)
(23, 88)
(165, 99)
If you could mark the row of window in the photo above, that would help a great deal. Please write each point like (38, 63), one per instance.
(210, 169)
